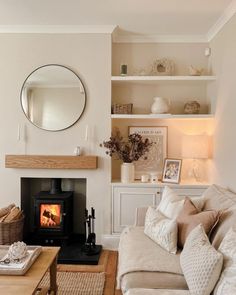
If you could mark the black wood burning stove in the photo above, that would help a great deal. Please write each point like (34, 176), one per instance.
(53, 213)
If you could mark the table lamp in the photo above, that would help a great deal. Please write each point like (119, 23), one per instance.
(195, 147)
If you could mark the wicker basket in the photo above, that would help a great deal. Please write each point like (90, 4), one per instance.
(11, 232)
(122, 108)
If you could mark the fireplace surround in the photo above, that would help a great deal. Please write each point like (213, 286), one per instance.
(61, 204)
(52, 215)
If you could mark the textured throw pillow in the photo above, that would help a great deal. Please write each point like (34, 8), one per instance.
(161, 230)
(227, 282)
(171, 204)
(189, 218)
(201, 263)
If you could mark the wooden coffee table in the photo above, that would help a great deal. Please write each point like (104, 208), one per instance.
(28, 283)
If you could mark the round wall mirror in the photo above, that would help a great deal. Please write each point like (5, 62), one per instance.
(53, 97)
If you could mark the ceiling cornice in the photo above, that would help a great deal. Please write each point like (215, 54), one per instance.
(222, 20)
(57, 29)
(132, 38)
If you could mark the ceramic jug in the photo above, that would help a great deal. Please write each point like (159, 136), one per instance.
(160, 105)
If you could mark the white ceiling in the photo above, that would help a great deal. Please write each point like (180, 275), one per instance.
(152, 17)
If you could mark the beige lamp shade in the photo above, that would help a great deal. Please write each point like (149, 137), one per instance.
(196, 146)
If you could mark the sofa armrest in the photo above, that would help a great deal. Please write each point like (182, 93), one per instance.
(140, 214)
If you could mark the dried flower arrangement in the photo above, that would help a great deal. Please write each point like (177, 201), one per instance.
(127, 150)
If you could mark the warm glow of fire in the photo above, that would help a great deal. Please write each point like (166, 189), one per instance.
(50, 215)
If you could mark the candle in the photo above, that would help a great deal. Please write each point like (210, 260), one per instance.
(18, 132)
(86, 133)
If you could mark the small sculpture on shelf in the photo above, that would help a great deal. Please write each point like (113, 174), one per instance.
(90, 247)
(162, 66)
(195, 71)
(192, 107)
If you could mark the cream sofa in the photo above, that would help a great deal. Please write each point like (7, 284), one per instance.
(145, 268)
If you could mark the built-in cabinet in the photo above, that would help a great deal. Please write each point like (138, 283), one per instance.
(127, 197)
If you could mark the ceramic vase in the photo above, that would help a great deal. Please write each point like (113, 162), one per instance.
(160, 105)
(127, 172)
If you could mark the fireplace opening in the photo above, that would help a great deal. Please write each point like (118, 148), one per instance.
(53, 216)
(50, 215)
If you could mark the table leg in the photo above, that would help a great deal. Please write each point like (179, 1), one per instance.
(53, 277)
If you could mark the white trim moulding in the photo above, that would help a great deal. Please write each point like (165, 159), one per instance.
(132, 38)
(222, 20)
(57, 29)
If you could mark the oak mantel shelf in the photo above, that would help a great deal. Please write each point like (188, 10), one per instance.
(51, 162)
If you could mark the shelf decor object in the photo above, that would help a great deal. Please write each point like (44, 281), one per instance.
(171, 170)
(128, 151)
(157, 152)
(192, 107)
(127, 172)
(160, 105)
(51, 162)
(125, 108)
(162, 66)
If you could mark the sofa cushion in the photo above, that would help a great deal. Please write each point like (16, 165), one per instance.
(189, 218)
(139, 253)
(171, 204)
(227, 282)
(162, 230)
(153, 280)
(200, 262)
(156, 292)
(218, 198)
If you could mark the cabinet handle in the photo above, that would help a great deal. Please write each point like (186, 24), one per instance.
(158, 193)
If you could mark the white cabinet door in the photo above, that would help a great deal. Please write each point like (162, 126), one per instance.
(125, 200)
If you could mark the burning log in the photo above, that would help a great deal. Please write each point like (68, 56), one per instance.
(54, 218)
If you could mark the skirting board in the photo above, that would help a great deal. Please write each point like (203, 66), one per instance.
(110, 242)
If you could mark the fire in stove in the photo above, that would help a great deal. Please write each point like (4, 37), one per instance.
(50, 215)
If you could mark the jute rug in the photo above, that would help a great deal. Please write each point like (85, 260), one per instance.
(78, 283)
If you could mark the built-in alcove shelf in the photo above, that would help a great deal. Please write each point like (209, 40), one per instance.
(51, 162)
(154, 79)
(162, 116)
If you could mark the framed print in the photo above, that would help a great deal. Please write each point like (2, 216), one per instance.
(157, 153)
(171, 170)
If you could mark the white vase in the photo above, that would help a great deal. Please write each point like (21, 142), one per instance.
(127, 172)
(160, 105)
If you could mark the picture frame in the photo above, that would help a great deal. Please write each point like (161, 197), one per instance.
(172, 170)
(157, 153)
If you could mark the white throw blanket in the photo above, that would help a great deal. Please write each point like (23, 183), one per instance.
(139, 253)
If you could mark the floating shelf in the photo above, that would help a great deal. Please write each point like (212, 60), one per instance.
(161, 116)
(50, 162)
(153, 79)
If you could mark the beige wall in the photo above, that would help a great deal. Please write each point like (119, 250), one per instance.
(89, 56)
(223, 63)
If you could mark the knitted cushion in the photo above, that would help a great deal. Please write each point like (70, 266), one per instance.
(200, 262)
(227, 282)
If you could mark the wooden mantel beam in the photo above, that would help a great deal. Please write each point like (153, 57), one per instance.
(51, 162)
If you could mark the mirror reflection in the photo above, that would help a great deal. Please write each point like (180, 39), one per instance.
(53, 97)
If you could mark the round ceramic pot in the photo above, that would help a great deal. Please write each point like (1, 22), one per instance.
(127, 172)
(160, 105)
